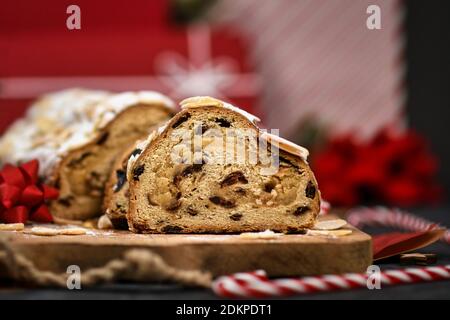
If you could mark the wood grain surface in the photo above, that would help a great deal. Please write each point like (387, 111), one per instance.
(286, 255)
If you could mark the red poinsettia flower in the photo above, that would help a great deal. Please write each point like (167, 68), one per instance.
(22, 196)
(389, 169)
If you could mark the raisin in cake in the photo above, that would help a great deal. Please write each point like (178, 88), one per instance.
(177, 187)
(117, 194)
(76, 135)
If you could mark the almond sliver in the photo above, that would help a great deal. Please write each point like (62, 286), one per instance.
(11, 226)
(44, 231)
(330, 224)
(286, 145)
(195, 102)
(329, 233)
(47, 231)
(72, 231)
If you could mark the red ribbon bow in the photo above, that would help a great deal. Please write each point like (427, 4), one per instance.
(22, 197)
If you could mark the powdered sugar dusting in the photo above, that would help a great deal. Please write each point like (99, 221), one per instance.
(205, 101)
(286, 145)
(66, 120)
(266, 235)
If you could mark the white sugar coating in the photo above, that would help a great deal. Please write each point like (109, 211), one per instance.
(49, 121)
(266, 235)
(286, 145)
(109, 108)
(66, 120)
(203, 101)
(66, 106)
(252, 118)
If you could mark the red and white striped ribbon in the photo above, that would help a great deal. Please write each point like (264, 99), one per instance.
(392, 218)
(324, 207)
(257, 285)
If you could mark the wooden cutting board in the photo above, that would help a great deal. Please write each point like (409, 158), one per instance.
(287, 255)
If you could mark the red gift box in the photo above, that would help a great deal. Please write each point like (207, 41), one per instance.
(35, 16)
(137, 51)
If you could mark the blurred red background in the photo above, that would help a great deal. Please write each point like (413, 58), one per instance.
(116, 49)
(310, 68)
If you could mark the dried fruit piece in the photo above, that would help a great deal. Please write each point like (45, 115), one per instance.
(310, 190)
(330, 224)
(291, 230)
(11, 226)
(182, 119)
(240, 191)
(236, 216)
(286, 162)
(121, 176)
(222, 202)
(186, 172)
(223, 122)
(205, 128)
(136, 152)
(171, 229)
(103, 138)
(197, 167)
(301, 210)
(137, 172)
(269, 186)
(233, 178)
